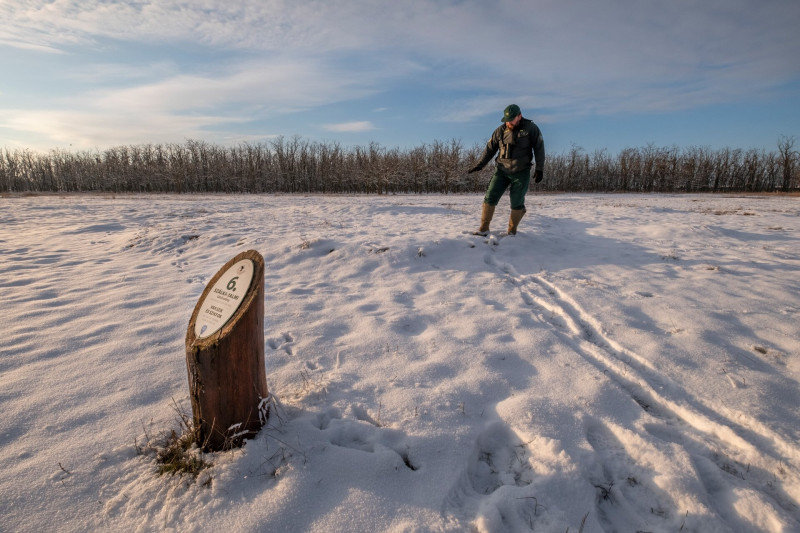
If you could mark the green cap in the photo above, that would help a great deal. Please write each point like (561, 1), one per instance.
(510, 113)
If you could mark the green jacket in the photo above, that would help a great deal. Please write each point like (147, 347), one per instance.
(518, 148)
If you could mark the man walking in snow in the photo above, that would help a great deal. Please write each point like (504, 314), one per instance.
(520, 143)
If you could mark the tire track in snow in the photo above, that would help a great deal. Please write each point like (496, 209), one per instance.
(710, 433)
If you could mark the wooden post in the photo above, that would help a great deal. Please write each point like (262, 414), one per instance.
(225, 355)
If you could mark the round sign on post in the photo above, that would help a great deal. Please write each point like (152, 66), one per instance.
(225, 355)
(224, 299)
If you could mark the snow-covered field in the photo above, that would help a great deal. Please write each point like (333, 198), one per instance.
(625, 363)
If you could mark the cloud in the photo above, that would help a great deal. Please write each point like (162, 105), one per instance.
(88, 129)
(180, 106)
(245, 24)
(276, 84)
(350, 127)
(560, 59)
(109, 73)
(612, 39)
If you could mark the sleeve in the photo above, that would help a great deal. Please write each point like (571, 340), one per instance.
(491, 148)
(538, 148)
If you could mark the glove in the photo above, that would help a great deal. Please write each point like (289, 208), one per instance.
(538, 176)
(476, 168)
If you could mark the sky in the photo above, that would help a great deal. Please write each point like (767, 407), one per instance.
(92, 74)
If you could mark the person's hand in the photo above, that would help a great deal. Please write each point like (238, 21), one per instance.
(476, 168)
(538, 176)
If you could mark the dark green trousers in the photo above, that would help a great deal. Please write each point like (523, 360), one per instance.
(516, 183)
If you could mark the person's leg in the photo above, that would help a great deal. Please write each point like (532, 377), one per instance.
(486, 218)
(518, 189)
(497, 187)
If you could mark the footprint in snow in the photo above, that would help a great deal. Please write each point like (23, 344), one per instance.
(498, 463)
(365, 434)
(499, 459)
(284, 342)
(626, 491)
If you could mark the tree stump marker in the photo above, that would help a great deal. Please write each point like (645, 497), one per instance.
(225, 355)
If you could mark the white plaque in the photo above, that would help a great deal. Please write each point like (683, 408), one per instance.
(224, 298)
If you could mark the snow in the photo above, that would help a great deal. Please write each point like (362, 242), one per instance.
(624, 363)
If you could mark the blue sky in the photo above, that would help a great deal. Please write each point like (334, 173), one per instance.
(85, 74)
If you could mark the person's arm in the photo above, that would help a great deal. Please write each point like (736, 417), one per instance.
(491, 149)
(538, 154)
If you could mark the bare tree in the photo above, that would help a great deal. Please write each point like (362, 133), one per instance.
(788, 157)
(298, 165)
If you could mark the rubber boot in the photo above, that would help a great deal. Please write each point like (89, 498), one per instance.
(513, 220)
(486, 218)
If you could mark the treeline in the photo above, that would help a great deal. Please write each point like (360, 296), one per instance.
(297, 165)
